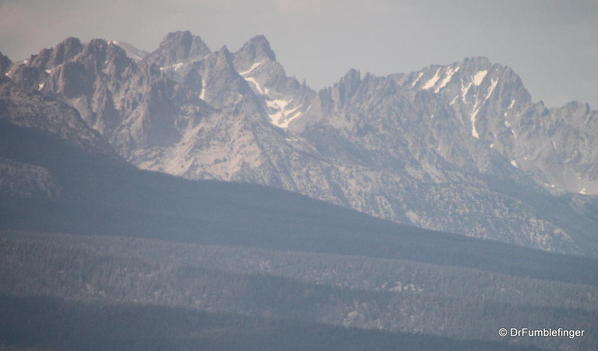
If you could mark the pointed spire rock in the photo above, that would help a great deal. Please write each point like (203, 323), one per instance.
(256, 49)
(348, 85)
(186, 44)
(67, 49)
(224, 54)
(351, 77)
(177, 47)
(221, 61)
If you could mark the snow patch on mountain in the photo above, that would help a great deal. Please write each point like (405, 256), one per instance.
(175, 66)
(432, 81)
(282, 117)
(447, 78)
(491, 88)
(251, 69)
(464, 91)
(257, 85)
(202, 95)
(419, 76)
(473, 118)
(478, 78)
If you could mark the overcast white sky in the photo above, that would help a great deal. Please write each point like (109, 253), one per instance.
(553, 45)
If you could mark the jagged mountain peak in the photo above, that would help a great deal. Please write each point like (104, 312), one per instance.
(224, 51)
(104, 49)
(133, 52)
(474, 87)
(283, 98)
(97, 44)
(186, 39)
(468, 65)
(68, 48)
(61, 53)
(484, 68)
(96, 57)
(256, 49)
(179, 35)
(220, 60)
(220, 83)
(352, 75)
(178, 47)
(347, 86)
(97, 54)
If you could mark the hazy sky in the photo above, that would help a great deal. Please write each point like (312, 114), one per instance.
(553, 45)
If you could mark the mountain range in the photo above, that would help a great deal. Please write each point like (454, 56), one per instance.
(460, 148)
